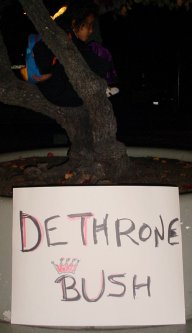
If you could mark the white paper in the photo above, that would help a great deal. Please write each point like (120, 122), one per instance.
(97, 256)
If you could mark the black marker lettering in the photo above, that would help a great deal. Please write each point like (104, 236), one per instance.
(126, 232)
(84, 292)
(100, 227)
(23, 218)
(84, 217)
(62, 279)
(157, 233)
(172, 232)
(141, 285)
(112, 278)
(47, 230)
(142, 230)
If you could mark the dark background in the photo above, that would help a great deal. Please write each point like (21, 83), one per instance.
(151, 49)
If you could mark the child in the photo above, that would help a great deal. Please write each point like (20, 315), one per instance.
(77, 21)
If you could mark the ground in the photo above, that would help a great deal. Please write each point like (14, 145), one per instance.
(56, 171)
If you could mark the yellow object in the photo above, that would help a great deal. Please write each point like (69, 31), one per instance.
(23, 72)
(60, 12)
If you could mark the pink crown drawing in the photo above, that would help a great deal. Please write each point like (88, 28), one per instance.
(67, 265)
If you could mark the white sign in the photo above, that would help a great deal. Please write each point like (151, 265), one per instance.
(97, 256)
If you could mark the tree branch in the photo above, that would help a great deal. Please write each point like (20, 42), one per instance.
(16, 92)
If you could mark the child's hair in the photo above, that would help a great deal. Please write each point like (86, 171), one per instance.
(77, 11)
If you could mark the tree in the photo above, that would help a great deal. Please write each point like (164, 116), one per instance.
(96, 157)
(92, 127)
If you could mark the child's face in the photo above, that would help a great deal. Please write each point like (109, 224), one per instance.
(85, 29)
